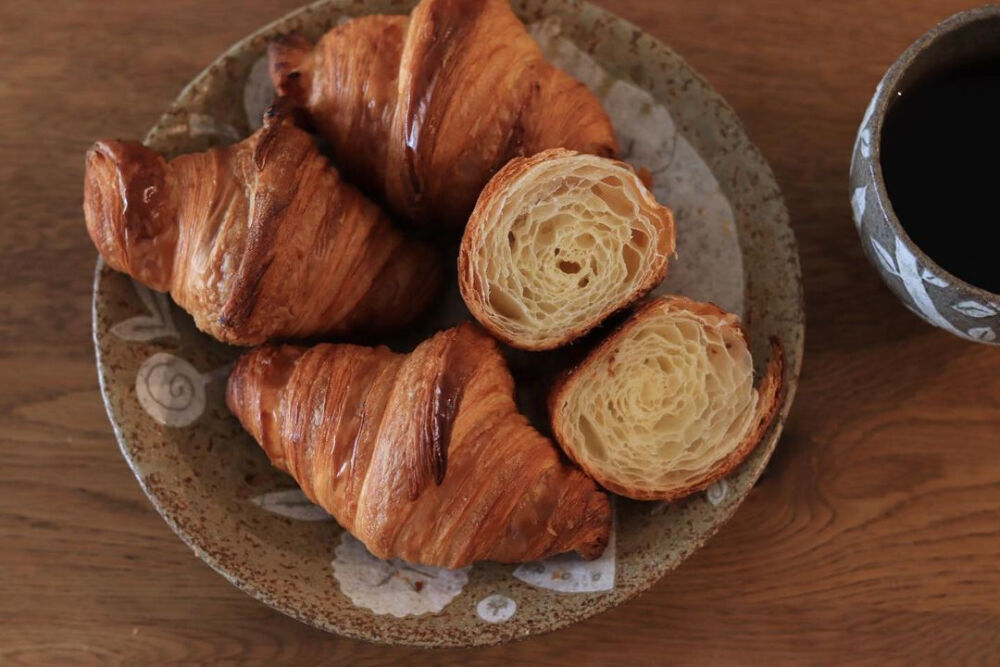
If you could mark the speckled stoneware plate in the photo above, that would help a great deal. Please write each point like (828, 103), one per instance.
(163, 381)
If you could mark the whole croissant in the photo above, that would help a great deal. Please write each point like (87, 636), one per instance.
(258, 240)
(422, 456)
(425, 108)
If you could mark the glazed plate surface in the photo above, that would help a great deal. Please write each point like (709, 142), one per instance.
(164, 381)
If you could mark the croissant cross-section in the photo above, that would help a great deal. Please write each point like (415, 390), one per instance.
(666, 405)
(423, 456)
(556, 243)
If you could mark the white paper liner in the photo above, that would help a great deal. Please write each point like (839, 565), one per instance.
(709, 264)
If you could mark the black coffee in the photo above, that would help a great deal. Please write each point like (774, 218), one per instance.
(941, 161)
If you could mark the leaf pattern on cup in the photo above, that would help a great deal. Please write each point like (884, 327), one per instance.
(885, 258)
(862, 143)
(911, 275)
(928, 277)
(974, 309)
(985, 334)
(904, 266)
(858, 204)
(866, 140)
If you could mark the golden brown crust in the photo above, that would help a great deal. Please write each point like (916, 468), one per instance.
(260, 240)
(426, 108)
(510, 198)
(422, 456)
(766, 407)
(130, 210)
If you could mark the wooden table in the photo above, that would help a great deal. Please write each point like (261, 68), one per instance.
(874, 534)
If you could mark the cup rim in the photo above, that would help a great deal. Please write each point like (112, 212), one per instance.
(887, 88)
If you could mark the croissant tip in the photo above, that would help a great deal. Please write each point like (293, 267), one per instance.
(126, 204)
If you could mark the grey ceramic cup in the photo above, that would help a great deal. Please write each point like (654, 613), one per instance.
(928, 290)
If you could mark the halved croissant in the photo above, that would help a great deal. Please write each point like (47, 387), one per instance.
(258, 240)
(557, 242)
(666, 405)
(426, 108)
(422, 456)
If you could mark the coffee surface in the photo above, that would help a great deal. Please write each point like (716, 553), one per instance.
(940, 156)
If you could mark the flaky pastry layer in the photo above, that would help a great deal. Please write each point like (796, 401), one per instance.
(666, 405)
(556, 243)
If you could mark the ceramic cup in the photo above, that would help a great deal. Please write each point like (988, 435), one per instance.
(924, 287)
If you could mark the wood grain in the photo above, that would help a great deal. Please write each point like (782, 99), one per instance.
(874, 536)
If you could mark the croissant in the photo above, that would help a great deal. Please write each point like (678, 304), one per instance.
(666, 404)
(557, 242)
(424, 109)
(258, 240)
(423, 456)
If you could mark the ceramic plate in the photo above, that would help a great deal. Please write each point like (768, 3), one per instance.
(163, 381)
